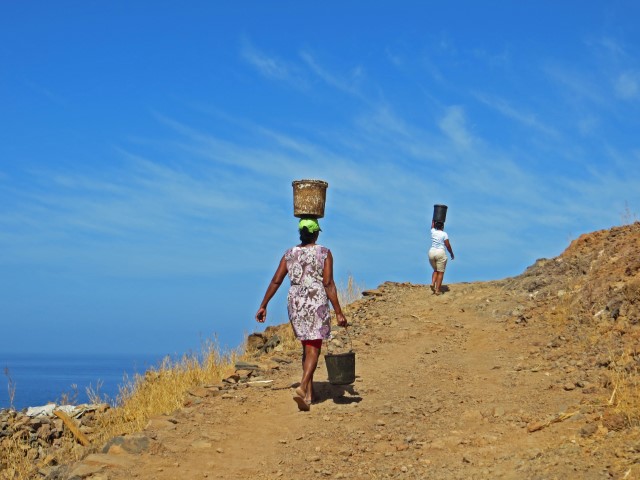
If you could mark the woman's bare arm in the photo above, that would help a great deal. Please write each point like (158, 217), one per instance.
(448, 245)
(276, 281)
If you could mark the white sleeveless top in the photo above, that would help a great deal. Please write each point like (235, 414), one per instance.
(437, 238)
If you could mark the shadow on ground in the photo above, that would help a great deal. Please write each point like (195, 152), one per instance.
(339, 394)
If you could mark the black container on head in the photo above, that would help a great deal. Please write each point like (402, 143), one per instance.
(439, 213)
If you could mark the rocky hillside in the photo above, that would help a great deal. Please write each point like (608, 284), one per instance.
(599, 274)
(534, 377)
(593, 290)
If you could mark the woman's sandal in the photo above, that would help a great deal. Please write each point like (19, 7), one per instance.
(303, 406)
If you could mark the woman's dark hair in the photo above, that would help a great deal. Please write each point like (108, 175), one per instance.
(439, 225)
(306, 237)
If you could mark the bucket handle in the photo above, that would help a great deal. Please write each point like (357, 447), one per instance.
(348, 337)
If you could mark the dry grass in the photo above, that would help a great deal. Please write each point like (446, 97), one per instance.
(19, 458)
(349, 292)
(625, 381)
(11, 386)
(623, 370)
(621, 348)
(628, 216)
(161, 390)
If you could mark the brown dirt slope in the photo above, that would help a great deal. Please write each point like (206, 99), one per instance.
(529, 377)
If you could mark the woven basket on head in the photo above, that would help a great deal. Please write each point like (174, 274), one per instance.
(309, 197)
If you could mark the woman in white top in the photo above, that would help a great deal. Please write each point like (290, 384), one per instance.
(438, 255)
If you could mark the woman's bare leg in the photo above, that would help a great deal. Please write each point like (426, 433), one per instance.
(311, 354)
(439, 277)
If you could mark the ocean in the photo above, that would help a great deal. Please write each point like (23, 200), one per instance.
(42, 378)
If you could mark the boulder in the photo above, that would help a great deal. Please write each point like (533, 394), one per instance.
(133, 444)
(255, 341)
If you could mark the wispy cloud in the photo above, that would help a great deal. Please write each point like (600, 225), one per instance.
(501, 59)
(627, 85)
(384, 121)
(47, 93)
(346, 84)
(611, 45)
(610, 73)
(393, 57)
(578, 85)
(299, 74)
(588, 124)
(525, 118)
(271, 66)
(618, 66)
(454, 125)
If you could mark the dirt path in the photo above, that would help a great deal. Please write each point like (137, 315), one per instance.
(448, 388)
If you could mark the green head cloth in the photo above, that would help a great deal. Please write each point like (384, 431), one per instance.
(311, 223)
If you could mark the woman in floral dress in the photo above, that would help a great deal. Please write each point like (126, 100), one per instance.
(310, 269)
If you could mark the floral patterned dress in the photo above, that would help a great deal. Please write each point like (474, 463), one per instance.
(307, 302)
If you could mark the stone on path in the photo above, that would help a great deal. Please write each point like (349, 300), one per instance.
(133, 444)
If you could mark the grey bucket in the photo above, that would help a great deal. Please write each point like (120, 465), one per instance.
(440, 213)
(341, 367)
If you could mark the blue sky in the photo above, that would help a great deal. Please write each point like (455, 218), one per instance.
(147, 151)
